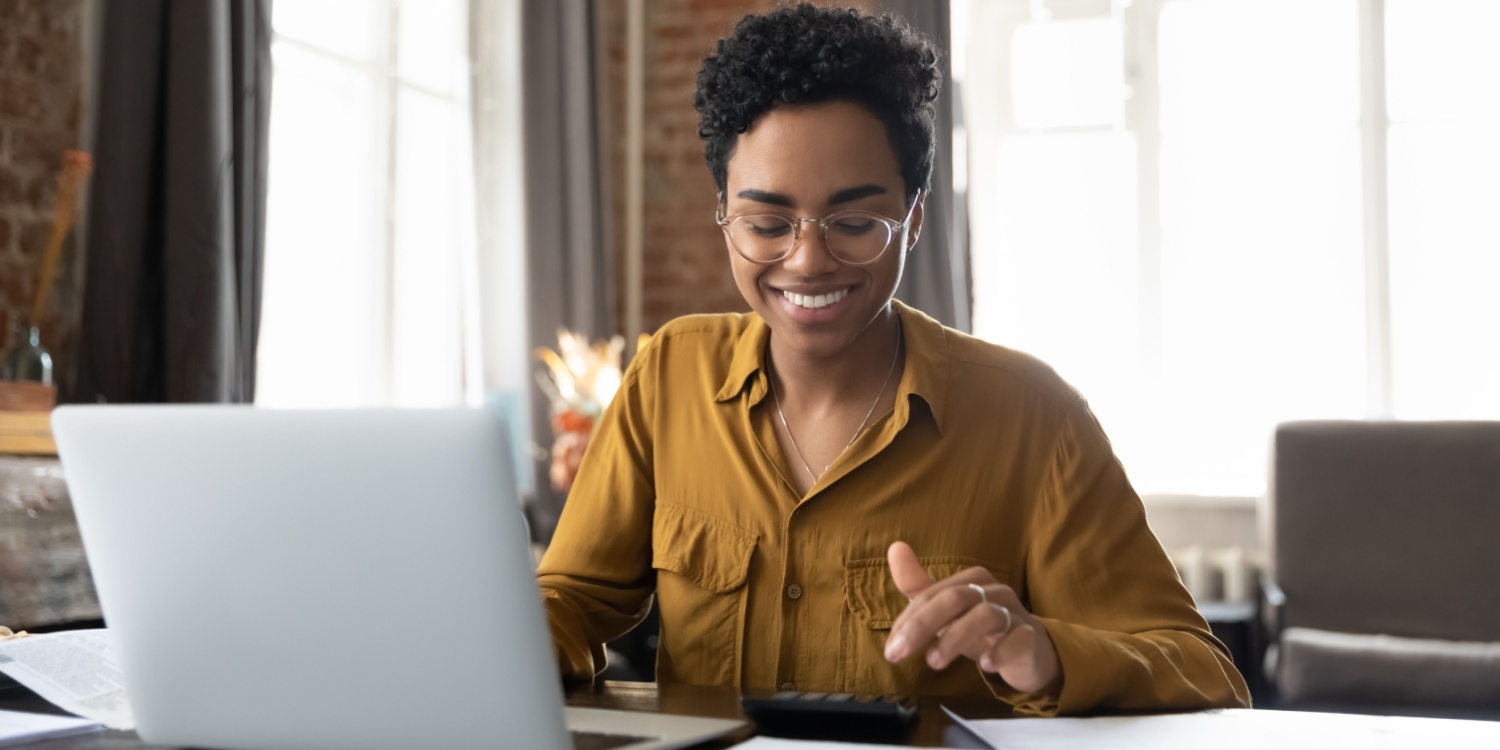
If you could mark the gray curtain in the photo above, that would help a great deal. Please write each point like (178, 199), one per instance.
(937, 272)
(569, 268)
(177, 205)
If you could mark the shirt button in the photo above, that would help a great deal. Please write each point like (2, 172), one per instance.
(794, 591)
(788, 686)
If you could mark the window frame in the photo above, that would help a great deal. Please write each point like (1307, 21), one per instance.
(988, 120)
(383, 71)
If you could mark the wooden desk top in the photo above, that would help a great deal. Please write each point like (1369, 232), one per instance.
(933, 728)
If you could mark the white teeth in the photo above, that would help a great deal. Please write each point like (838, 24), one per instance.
(815, 302)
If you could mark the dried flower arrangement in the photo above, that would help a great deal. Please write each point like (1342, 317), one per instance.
(580, 380)
(76, 165)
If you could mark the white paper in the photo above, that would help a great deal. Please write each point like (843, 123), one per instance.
(1249, 729)
(17, 727)
(74, 670)
(778, 743)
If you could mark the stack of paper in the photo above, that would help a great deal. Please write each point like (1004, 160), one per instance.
(74, 670)
(18, 728)
(1233, 729)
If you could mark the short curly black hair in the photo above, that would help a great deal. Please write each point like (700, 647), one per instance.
(805, 54)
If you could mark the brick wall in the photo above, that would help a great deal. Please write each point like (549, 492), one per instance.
(686, 269)
(41, 103)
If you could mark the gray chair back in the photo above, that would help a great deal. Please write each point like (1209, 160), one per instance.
(1389, 527)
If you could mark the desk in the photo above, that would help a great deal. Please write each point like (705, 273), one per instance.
(44, 578)
(632, 696)
(933, 729)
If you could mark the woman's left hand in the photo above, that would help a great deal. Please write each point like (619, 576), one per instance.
(993, 630)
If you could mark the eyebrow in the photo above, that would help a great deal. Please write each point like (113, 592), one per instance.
(842, 196)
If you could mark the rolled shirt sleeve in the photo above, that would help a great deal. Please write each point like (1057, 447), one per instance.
(596, 577)
(1125, 629)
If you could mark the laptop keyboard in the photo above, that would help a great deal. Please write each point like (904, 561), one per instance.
(601, 741)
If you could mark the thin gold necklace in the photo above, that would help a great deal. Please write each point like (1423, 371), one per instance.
(797, 449)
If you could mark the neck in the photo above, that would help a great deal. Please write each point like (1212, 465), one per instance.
(851, 375)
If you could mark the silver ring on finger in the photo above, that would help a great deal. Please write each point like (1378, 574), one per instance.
(984, 598)
(1004, 610)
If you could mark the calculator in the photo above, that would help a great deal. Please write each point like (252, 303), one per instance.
(798, 714)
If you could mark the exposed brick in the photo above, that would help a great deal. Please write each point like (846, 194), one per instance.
(9, 38)
(24, 15)
(28, 56)
(15, 187)
(61, 19)
(672, 32)
(41, 192)
(15, 286)
(41, 83)
(33, 239)
(51, 57)
(41, 148)
(20, 99)
(722, 7)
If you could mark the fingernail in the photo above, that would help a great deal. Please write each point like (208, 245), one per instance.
(934, 659)
(986, 664)
(895, 648)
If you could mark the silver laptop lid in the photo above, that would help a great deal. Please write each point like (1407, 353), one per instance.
(314, 579)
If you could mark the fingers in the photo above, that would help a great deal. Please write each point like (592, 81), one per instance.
(959, 580)
(936, 611)
(1017, 648)
(998, 633)
(974, 634)
(1025, 659)
(906, 571)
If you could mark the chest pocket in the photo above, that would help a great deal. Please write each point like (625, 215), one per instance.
(872, 604)
(701, 563)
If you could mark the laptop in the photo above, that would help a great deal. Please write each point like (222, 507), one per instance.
(333, 580)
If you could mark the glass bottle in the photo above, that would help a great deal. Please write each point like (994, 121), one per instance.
(29, 360)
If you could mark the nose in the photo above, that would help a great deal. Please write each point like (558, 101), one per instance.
(810, 256)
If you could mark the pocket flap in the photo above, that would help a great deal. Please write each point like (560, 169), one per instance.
(872, 594)
(711, 552)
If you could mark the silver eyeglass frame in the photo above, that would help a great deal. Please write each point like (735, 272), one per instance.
(895, 227)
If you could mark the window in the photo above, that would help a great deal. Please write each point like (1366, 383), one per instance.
(1443, 98)
(1212, 216)
(370, 217)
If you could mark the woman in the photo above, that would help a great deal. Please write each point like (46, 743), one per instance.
(835, 492)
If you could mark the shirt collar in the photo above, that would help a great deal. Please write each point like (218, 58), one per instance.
(749, 360)
(925, 375)
(927, 362)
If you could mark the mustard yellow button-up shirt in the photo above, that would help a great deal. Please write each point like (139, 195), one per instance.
(988, 459)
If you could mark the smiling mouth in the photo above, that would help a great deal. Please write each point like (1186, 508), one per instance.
(814, 302)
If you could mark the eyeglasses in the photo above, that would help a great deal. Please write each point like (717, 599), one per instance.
(857, 238)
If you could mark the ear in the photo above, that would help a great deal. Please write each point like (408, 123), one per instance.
(914, 225)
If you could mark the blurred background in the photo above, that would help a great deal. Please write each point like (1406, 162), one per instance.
(1213, 217)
